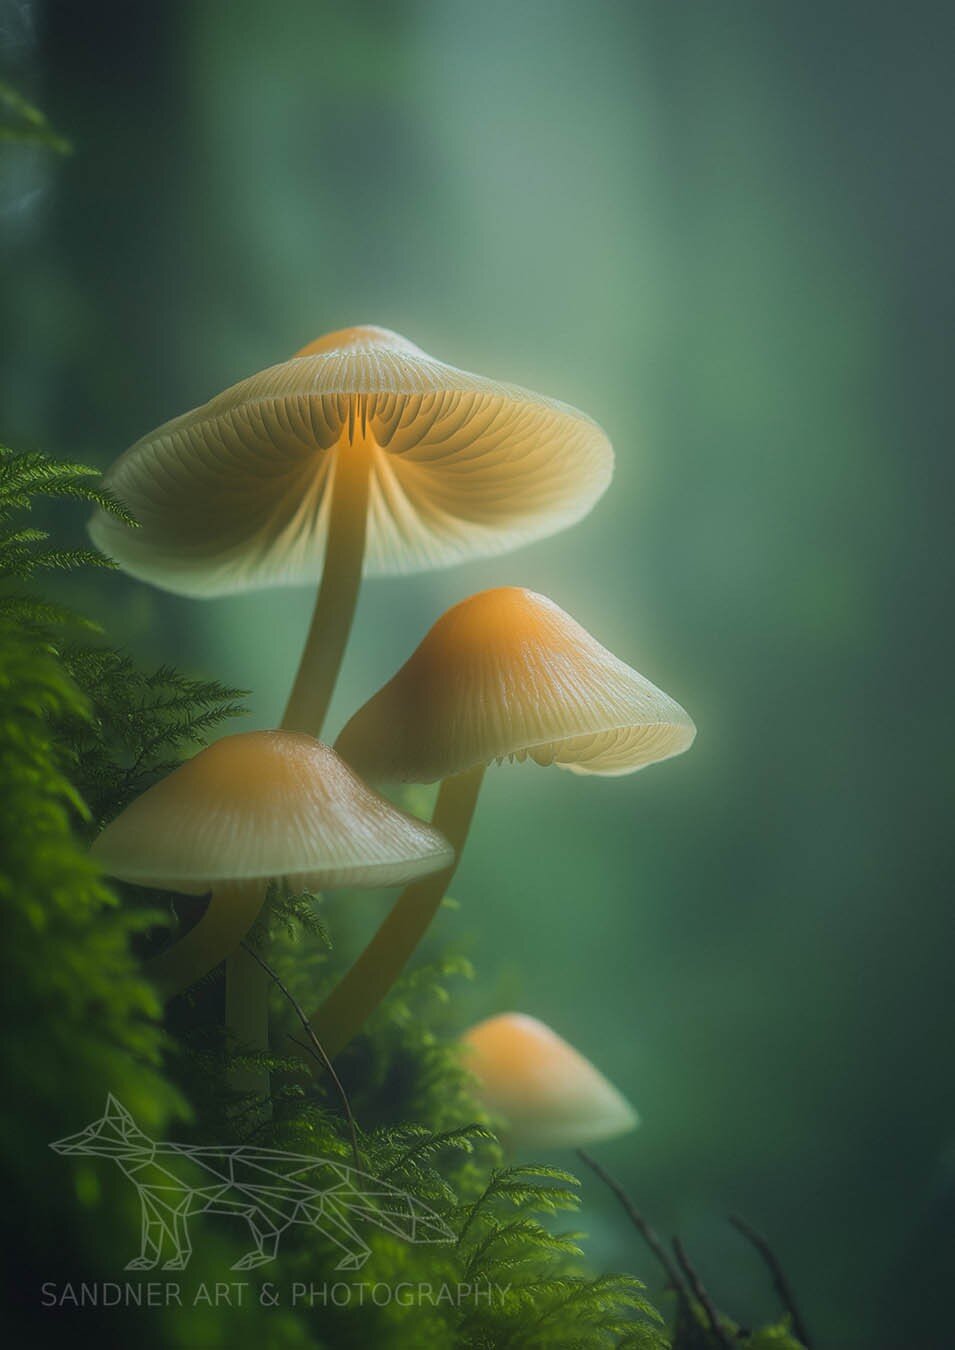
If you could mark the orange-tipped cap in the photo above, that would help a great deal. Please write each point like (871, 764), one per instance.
(235, 495)
(545, 1093)
(264, 805)
(508, 673)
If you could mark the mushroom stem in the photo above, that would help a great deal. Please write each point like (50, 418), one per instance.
(232, 910)
(247, 1016)
(356, 996)
(338, 593)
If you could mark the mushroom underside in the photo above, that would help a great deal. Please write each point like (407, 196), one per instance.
(237, 498)
(609, 752)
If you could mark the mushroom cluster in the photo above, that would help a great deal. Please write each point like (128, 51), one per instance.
(362, 455)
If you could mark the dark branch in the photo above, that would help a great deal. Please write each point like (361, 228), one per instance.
(640, 1224)
(780, 1282)
(701, 1295)
(315, 1047)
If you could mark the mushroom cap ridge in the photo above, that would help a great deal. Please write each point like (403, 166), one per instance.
(261, 805)
(235, 495)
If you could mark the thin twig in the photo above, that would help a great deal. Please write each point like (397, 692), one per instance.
(315, 1048)
(701, 1295)
(323, 1060)
(780, 1283)
(639, 1223)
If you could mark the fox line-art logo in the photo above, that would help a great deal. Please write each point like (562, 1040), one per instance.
(268, 1188)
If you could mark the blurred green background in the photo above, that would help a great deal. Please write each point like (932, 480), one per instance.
(724, 230)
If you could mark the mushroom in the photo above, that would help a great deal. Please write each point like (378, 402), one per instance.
(505, 674)
(545, 1092)
(246, 810)
(361, 450)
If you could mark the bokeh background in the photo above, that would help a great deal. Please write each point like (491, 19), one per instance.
(725, 231)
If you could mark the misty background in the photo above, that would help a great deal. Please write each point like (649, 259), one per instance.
(724, 231)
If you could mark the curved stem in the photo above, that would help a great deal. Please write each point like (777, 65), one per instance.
(356, 996)
(232, 910)
(338, 592)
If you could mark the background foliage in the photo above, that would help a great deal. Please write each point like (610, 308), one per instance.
(725, 231)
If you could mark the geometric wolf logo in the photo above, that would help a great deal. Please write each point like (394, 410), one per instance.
(270, 1189)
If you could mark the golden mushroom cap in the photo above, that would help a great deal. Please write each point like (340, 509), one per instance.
(263, 805)
(546, 1093)
(506, 673)
(235, 495)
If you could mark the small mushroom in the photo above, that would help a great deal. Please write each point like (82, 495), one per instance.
(504, 674)
(545, 1093)
(361, 451)
(246, 810)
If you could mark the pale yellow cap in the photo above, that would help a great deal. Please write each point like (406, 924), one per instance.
(264, 805)
(506, 673)
(235, 495)
(546, 1094)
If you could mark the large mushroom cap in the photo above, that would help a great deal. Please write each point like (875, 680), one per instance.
(263, 805)
(235, 495)
(508, 673)
(546, 1093)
